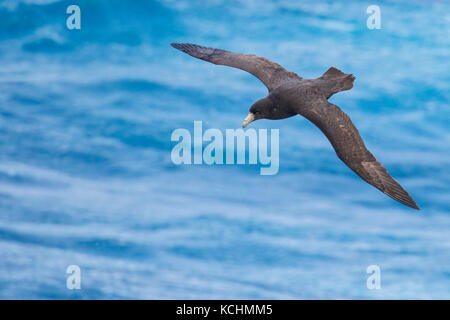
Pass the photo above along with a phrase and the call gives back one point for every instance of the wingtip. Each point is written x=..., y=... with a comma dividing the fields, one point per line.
x=185, y=47
x=194, y=50
x=411, y=203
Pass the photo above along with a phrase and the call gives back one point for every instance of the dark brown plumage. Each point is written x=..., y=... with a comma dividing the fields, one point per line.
x=290, y=95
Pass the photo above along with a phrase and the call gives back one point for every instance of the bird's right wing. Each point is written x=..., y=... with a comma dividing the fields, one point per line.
x=270, y=73
x=350, y=148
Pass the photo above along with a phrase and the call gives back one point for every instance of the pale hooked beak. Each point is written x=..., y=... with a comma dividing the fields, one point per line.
x=250, y=118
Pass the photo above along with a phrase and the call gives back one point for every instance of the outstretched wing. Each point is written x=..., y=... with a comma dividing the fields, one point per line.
x=350, y=148
x=270, y=73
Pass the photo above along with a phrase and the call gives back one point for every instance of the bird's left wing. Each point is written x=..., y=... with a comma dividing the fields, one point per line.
x=350, y=148
x=270, y=73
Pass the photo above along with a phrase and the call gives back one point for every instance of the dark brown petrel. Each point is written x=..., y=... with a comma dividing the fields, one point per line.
x=290, y=95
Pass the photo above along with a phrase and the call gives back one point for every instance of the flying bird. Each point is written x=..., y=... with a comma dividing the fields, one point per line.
x=290, y=94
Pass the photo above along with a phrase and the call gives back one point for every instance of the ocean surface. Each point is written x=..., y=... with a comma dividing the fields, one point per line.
x=86, y=176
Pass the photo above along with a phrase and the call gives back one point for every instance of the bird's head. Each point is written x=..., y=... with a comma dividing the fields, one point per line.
x=266, y=109
x=261, y=109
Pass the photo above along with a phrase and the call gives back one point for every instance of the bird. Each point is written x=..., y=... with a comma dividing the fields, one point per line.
x=290, y=95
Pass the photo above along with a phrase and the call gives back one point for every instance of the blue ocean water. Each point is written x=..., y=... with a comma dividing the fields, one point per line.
x=86, y=176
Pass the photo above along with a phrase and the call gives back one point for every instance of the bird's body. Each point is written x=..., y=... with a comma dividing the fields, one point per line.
x=290, y=94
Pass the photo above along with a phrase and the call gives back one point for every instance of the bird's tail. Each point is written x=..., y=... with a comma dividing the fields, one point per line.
x=337, y=81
